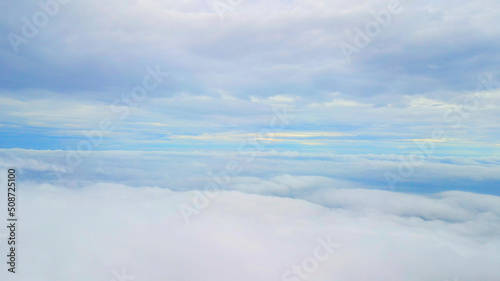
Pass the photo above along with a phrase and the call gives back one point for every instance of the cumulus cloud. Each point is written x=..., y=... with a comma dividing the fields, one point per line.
x=104, y=228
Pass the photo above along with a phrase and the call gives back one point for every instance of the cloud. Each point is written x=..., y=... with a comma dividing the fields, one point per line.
x=92, y=231
x=322, y=176
x=268, y=173
x=262, y=48
x=339, y=123
x=119, y=210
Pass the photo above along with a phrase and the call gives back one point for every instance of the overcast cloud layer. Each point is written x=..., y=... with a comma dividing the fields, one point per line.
x=429, y=61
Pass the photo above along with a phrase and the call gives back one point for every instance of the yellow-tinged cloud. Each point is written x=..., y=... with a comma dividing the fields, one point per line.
x=303, y=137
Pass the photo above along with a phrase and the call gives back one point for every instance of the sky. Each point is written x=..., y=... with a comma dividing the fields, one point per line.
x=218, y=79
x=333, y=77
x=370, y=123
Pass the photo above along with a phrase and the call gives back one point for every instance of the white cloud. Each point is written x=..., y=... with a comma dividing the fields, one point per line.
x=107, y=215
x=89, y=232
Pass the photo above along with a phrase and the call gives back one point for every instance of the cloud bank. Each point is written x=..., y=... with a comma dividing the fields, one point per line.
x=104, y=229
x=120, y=213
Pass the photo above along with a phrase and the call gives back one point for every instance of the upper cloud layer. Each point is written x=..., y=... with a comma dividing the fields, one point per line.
x=225, y=76
x=261, y=48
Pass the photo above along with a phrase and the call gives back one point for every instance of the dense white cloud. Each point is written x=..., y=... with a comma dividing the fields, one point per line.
x=91, y=232
x=122, y=210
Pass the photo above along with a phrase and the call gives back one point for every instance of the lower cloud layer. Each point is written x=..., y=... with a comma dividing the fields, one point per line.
x=104, y=231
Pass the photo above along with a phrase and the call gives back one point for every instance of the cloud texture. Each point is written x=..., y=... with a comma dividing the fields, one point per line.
x=89, y=233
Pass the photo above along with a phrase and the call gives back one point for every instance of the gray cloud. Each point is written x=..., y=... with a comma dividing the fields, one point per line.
x=283, y=43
